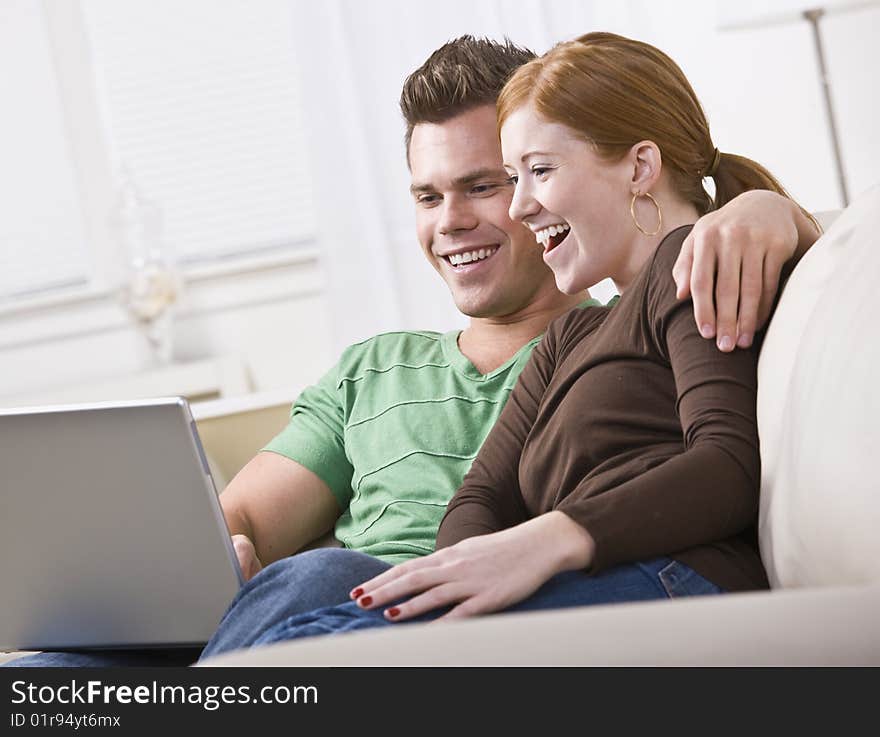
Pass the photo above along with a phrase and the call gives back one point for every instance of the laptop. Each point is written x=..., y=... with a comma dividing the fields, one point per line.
x=111, y=532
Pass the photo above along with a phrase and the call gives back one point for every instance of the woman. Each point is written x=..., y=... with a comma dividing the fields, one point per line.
x=653, y=492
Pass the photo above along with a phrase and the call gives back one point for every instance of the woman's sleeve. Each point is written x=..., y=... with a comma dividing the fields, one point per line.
x=707, y=493
x=489, y=498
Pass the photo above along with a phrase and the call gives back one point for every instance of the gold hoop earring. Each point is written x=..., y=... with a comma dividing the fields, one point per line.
x=632, y=211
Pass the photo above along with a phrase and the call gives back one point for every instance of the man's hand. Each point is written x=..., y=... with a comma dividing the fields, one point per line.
x=481, y=574
x=731, y=262
x=247, y=556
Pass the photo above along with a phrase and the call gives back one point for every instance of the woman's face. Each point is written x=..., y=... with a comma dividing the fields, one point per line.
x=575, y=203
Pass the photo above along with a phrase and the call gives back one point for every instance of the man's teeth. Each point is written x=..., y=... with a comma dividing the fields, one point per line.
x=545, y=234
x=456, y=259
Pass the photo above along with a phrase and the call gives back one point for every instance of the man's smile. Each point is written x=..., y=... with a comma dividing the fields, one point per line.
x=464, y=258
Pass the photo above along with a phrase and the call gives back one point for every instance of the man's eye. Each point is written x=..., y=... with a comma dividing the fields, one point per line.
x=485, y=188
x=428, y=200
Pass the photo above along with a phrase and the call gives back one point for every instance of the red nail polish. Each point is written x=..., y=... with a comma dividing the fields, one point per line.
x=393, y=612
x=356, y=593
x=366, y=601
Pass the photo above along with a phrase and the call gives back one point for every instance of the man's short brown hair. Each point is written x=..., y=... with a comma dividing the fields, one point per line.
x=459, y=76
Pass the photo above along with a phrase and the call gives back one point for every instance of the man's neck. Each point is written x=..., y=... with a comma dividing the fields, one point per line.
x=490, y=342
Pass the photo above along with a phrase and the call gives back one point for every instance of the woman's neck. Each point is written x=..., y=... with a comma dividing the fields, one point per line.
x=675, y=215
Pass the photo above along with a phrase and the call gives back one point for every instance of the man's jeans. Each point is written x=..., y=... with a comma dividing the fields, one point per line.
x=660, y=578
x=302, y=583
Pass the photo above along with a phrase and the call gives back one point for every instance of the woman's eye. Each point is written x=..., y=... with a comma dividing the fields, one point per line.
x=512, y=179
x=540, y=171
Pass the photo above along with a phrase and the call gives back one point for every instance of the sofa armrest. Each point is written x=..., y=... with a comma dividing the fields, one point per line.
x=829, y=626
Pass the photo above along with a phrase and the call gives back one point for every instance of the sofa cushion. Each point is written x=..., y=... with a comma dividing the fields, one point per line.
x=819, y=411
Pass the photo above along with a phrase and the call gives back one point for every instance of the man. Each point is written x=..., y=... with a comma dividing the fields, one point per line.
x=377, y=447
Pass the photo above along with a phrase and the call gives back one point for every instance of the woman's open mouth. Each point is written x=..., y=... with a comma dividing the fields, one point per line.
x=552, y=236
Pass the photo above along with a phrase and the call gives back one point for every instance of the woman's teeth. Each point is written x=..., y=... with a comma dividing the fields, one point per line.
x=552, y=236
x=456, y=259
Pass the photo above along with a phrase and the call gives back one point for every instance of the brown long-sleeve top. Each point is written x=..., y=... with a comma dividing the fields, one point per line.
x=635, y=426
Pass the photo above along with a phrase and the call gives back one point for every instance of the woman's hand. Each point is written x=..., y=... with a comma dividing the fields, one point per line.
x=481, y=574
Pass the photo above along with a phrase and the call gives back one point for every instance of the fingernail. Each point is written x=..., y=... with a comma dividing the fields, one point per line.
x=745, y=340
x=706, y=331
x=365, y=601
x=392, y=612
x=726, y=343
x=356, y=593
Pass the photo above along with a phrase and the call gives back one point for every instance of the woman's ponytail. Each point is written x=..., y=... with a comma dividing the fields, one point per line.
x=734, y=175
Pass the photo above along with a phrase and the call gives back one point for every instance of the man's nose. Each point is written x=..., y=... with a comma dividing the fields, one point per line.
x=458, y=214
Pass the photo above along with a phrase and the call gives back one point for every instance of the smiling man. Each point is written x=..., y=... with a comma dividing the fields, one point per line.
x=493, y=267
x=374, y=451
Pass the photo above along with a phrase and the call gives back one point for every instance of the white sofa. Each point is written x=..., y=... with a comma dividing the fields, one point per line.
x=819, y=421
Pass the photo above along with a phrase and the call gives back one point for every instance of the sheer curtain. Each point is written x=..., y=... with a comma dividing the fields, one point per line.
x=347, y=167
x=38, y=184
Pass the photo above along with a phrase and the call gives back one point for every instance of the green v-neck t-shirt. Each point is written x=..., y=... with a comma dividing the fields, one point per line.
x=392, y=429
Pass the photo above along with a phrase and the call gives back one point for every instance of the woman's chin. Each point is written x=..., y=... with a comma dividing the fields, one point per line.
x=570, y=284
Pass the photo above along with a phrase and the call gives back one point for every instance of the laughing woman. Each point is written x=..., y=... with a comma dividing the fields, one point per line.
x=625, y=464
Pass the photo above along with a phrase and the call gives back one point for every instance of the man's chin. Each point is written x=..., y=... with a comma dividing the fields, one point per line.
x=475, y=307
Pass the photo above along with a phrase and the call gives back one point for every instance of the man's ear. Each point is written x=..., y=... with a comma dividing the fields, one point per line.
x=646, y=166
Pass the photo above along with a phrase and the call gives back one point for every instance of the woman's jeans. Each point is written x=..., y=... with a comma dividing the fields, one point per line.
x=307, y=594
x=660, y=578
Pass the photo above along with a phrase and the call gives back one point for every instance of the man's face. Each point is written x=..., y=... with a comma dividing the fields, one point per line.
x=492, y=265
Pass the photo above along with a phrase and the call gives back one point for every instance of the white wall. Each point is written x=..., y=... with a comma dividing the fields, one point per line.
x=760, y=89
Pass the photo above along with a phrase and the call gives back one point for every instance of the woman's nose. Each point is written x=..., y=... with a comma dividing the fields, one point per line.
x=522, y=205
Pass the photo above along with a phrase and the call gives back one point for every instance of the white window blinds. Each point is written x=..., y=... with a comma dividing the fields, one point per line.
x=200, y=100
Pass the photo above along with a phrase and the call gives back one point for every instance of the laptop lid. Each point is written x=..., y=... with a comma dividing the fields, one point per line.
x=111, y=533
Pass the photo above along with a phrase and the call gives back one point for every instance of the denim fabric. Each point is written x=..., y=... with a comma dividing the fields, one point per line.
x=660, y=578
x=680, y=580
x=302, y=583
x=311, y=580
x=107, y=659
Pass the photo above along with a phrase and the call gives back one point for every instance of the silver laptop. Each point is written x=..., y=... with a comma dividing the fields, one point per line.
x=111, y=533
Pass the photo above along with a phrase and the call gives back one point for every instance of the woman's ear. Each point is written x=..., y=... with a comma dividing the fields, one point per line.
x=646, y=166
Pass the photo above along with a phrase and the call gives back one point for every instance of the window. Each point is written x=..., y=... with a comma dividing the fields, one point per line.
x=199, y=101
